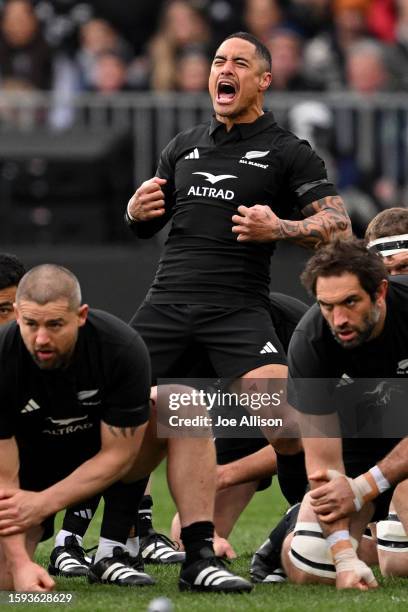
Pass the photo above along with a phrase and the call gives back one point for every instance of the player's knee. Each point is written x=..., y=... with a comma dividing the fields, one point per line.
x=393, y=564
x=392, y=545
x=294, y=574
x=291, y=571
x=308, y=558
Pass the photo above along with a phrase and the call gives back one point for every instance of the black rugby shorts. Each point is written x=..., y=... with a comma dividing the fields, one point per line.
x=236, y=340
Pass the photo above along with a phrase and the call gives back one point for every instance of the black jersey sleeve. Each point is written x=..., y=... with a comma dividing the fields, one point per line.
x=127, y=392
x=310, y=385
x=307, y=175
x=165, y=170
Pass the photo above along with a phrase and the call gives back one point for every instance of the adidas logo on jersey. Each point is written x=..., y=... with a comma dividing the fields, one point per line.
x=268, y=348
x=344, y=381
x=193, y=155
x=31, y=406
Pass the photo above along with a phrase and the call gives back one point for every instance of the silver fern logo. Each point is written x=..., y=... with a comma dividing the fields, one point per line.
x=255, y=154
x=83, y=395
x=402, y=366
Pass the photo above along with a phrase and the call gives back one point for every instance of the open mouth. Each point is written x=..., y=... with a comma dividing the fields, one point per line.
x=45, y=354
x=226, y=92
x=346, y=335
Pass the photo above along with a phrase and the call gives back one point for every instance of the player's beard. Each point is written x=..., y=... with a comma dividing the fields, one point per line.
x=58, y=361
x=363, y=333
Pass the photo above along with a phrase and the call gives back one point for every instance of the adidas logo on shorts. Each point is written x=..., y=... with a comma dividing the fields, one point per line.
x=268, y=348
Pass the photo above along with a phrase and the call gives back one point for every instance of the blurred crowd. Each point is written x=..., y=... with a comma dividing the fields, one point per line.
x=166, y=45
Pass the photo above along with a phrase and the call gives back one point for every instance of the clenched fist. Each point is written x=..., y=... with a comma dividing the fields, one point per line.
x=148, y=201
x=256, y=224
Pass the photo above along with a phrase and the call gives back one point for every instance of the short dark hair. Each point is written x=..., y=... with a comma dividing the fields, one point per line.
x=389, y=222
x=340, y=256
x=48, y=283
x=11, y=270
x=260, y=49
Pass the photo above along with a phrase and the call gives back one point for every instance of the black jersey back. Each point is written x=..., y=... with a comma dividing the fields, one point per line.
x=210, y=172
x=55, y=415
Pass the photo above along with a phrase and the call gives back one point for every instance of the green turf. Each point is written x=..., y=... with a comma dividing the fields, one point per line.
x=249, y=533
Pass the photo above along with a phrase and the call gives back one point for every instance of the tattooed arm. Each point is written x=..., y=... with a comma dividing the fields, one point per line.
x=119, y=447
x=325, y=219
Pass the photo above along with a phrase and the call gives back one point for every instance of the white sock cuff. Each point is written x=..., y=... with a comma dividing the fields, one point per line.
x=62, y=534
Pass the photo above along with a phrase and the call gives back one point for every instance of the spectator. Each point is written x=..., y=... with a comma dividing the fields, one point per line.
x=311, y=17
x=97, y=36
x=366, y=69
x=60, y=21
x=397, y=54
x=135, y=20
x=25, y=57
x=193, y=69
x=224, y=17
x=261, y=17
x=287, y=62
x=369, y=187
x=181, y=25
x=109, y=73
x=325, y=55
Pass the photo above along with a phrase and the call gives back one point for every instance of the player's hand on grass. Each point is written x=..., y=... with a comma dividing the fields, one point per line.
x=148, y=201
x=257, y=224
x=20, y=510
x=333, y=500
x=362, y=578
x=32, y=577
x=351, y=572
x=223, y=548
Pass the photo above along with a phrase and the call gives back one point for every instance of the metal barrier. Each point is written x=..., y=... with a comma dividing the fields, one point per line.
x=372, y=129
x=67, y=168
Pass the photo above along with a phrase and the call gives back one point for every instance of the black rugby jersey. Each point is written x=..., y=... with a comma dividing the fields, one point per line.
x=210, y=172
x=55, y=415
x=315, y=354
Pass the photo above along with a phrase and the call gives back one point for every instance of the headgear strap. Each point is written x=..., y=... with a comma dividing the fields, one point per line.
x=389, y=245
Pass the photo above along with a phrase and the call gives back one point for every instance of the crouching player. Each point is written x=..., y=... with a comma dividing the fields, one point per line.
x=74, y=420
x=358, y=329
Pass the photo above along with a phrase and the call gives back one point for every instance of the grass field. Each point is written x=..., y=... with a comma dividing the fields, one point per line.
x=250, y=532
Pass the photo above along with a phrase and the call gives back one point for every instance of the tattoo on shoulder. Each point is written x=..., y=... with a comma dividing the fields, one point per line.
x=122, y=431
